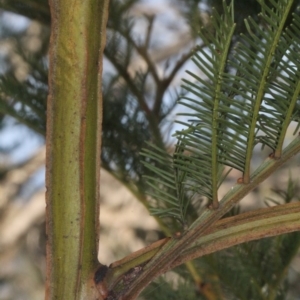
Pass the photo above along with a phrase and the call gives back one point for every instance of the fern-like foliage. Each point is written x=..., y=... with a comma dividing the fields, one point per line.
x=284, y=196
x=246, y=94
x=283, y=90
x=31, y=110
x=204, y=158
x=26, y=100
x=125, y=130
x=168, y=185
x=268, y=61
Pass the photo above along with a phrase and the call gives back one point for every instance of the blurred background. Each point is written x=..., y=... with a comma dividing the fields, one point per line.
x=149, y=46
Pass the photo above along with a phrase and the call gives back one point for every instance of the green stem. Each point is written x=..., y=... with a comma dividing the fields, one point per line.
x=172, y=249
x=141, y=198
x=254, y=225
x=73, y=146
x=215, y=113
x=228, y=232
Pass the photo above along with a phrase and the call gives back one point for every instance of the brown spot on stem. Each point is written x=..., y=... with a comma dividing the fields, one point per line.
x=240, y=180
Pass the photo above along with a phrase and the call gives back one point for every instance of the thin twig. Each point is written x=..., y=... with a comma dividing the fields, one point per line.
x=150, y=18
x=38, y=10
x=124, y=73
x=143, y=52
x=166, y=81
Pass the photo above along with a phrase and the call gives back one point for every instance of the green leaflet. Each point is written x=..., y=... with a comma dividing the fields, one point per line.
x=283, y=90
x=247, y=94
x=166, y=185
x=194, y=169
x=202, y=143
x=259, y=57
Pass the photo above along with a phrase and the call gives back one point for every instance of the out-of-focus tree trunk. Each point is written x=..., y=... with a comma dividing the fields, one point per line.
x=74, y=117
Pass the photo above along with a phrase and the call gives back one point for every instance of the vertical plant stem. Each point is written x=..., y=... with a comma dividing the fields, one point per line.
x=73, y=146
